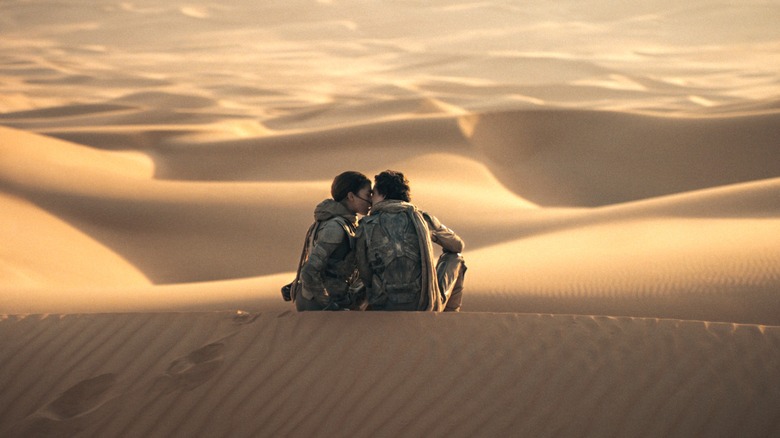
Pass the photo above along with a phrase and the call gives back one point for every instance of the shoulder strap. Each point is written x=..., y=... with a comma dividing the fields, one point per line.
x=348, y=229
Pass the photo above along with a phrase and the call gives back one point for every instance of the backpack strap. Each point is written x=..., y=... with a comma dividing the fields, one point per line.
x=348, y=229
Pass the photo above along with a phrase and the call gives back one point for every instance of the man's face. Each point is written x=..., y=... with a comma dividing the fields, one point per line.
x=376, y=197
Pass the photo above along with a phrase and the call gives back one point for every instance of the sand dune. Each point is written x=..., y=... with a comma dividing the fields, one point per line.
x=597, y=158
x=706, y=254
x=222, y=374
x=611, y=167
x=40, y=250
x=113, y=197
x=712, y=270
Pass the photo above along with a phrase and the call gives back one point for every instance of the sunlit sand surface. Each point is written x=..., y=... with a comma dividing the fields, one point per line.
x=612, y=168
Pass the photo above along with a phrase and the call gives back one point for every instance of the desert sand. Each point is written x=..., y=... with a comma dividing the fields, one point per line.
x=613, y=169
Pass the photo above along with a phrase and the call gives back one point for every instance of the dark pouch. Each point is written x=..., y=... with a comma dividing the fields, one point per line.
x=286, y=292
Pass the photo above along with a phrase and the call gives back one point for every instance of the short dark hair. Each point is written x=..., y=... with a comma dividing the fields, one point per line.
x=393, y=185
x=348, y=182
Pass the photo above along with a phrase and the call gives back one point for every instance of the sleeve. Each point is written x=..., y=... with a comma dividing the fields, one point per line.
x=443, y=236
x=329, y=237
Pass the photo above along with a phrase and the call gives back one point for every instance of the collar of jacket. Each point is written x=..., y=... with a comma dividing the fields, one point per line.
x=329, y=208
x=392, y=206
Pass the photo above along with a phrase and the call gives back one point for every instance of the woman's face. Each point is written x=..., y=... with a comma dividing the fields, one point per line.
x=360, y=202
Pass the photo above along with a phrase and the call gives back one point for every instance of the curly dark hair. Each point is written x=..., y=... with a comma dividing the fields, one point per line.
x=349, y=181
x=393, y=185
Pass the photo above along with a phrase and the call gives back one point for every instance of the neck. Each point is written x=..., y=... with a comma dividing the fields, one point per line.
x=346, y=205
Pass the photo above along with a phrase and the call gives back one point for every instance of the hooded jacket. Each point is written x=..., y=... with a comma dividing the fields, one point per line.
x=330, y=268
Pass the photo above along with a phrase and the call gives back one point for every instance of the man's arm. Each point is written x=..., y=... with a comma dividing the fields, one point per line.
x=328, y=239
x=443, y=236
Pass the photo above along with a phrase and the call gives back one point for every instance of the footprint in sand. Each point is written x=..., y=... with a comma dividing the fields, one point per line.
x=65, y=416
x=82, y=398
x=192, y=370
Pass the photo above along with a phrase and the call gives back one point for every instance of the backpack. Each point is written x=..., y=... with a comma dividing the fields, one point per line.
x=394, y=257
x=290, y=291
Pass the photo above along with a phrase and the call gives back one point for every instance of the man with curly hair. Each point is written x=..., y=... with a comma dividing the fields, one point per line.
x=395, y=256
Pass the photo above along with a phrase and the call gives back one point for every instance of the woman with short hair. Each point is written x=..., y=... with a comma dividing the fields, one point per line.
x=328, y=278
